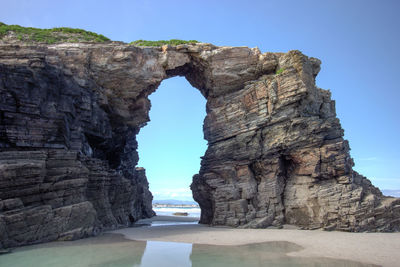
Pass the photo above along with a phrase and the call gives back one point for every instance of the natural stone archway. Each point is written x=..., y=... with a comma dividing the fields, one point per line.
x=70, y=114
x=171, y=144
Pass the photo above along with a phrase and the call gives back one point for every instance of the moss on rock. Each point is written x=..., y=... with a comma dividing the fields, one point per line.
x=162, y=42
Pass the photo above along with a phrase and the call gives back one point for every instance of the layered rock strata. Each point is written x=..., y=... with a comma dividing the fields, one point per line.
x=67, y=169
x=70, y=113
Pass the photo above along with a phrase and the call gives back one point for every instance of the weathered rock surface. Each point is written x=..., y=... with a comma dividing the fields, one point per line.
x=67, y=170
x=69, y=115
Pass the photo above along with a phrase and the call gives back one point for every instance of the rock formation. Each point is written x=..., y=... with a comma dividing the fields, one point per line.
x=70, y=113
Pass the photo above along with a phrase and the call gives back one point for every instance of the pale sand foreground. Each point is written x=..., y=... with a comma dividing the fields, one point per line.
x=376, y=248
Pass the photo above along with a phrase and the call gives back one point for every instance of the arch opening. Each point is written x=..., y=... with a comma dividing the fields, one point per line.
x=172, y=143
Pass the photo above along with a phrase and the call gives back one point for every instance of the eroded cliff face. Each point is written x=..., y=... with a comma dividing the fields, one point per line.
x=70, y=114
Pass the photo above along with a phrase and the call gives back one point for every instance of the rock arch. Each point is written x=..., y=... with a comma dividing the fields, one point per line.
x=171, y=144
x=70, y=114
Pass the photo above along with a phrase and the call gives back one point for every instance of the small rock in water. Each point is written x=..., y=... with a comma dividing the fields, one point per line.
x=180, y=214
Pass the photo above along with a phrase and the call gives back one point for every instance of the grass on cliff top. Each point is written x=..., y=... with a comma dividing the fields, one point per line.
x=70, y=35
x=50, y=36
x=162, y=42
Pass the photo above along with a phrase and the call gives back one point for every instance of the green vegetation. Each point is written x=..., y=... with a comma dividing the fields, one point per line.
x=50, y=36
x=162, y=42
x=70, y=35
x=280, y=71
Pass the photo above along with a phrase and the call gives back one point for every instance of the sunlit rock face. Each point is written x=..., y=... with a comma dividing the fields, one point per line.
x=70, y=114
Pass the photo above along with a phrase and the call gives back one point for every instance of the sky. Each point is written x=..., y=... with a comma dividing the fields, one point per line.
x=357, y=41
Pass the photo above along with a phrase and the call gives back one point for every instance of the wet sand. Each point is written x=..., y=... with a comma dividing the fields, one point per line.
x=376, y=248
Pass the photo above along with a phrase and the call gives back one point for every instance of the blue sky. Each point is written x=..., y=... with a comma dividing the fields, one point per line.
x=357, y=41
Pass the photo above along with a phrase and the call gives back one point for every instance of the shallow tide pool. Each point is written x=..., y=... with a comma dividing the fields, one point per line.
x=114, y=250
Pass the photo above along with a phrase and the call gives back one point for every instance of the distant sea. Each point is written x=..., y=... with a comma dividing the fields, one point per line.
x=174, y=205
x=169, y=211
x=174, y=202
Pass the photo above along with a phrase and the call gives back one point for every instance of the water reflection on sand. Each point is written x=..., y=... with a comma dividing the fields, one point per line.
x=114, y=250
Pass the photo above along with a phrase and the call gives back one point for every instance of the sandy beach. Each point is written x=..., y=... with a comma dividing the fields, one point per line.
x=375, y=248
